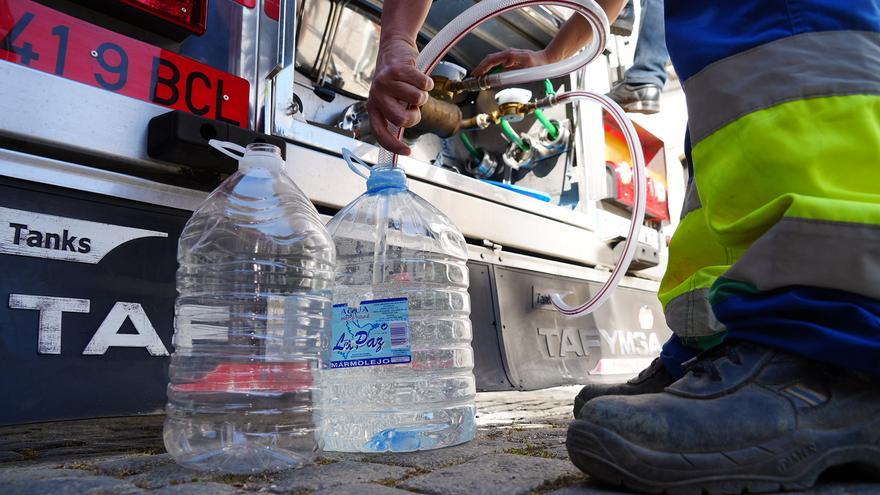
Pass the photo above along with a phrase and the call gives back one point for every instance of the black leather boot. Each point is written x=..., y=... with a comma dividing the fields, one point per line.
x=744, y=419
x=636, y=98
x=651, y=380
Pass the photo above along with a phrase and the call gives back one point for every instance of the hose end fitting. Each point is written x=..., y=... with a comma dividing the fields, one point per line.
x=473, y=84
x=547, y=101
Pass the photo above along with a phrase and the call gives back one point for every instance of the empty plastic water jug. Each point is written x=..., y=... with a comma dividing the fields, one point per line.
x=252, y=318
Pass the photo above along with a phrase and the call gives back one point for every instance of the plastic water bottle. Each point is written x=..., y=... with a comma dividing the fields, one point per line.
x=251, y=319
x=400, y=372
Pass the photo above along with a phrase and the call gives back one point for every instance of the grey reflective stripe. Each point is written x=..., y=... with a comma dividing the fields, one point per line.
x=691, y=199
x=690, y=315
x=808, y=65
x=816, y=253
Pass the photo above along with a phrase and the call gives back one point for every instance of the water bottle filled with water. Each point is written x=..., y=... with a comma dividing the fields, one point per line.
x=251, y=319
x=399, y=375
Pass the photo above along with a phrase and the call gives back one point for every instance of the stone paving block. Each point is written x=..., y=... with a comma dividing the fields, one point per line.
x=80, y=453
x=344, y=456
x=557, y=451
x=493, y=474
x=549, y=435
x=85, y=485
x=163, y=475
x=86, y=464
x=8, y=456
x=40, y=444
x=198, y=489
x=335, y=474
x=589, y=488
x=440, y=458
x=129, y=465
x=361, y=489
x=9, y=475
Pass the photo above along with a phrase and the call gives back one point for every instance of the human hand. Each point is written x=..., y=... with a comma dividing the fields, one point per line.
x=512, y=58
x=396, y=93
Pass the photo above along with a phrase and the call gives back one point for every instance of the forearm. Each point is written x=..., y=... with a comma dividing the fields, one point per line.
x=402, y=19
x=576, y=32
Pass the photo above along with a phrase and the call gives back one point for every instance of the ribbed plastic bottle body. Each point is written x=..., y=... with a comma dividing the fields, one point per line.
x=429, y=402
x=252, y=317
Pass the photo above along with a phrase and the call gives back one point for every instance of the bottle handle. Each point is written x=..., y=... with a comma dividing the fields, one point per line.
x=350, y=158
x=227, y=148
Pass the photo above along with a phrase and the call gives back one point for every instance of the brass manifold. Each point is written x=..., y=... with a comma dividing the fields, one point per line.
x=516, y=111
x=443, y=118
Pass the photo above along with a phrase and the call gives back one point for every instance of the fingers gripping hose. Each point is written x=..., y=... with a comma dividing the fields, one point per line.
x=598, y=21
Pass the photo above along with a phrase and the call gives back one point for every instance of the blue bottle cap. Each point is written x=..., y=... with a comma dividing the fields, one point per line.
x=386, y=177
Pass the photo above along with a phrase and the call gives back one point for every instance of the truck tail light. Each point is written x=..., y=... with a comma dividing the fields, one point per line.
x=273, y=9
x=188, y=15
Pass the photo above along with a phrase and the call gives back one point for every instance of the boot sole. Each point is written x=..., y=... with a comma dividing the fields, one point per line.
x=622, y=30
x=645, y=107
x=793, y=462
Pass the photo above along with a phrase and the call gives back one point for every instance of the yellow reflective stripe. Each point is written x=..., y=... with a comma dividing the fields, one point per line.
x=792, y=193
x=695, y=262
x=788, y=195
x=695, y=258
x=817, y=158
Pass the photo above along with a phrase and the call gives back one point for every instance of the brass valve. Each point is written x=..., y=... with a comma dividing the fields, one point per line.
x=513, y=104
x=446, y=77
x=512, y=112
x=443, y=88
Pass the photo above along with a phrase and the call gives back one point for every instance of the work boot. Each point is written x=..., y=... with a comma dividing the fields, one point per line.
x=744, y=418
x=623, y=25
x=651, y=380
x=636, y=98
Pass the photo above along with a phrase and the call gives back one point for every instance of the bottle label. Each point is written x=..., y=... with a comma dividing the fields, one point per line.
x=375, y=333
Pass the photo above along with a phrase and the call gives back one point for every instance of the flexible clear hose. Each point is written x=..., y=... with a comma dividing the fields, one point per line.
x=598, y=21
x=640, y=200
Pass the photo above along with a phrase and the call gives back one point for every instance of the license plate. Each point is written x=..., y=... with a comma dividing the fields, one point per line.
x=46, y=40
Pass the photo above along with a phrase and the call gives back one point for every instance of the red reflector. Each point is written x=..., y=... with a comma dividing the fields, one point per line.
x=247, y=3
x=273, y=9
x=191, y=15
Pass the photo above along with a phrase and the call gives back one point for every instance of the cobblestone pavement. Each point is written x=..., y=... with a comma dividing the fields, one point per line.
x=520, y=449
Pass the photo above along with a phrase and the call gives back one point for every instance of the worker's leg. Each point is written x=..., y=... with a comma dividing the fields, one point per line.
x=696, y=260
x=801, y=203
x=794, y=203
x=639, y=91
x=649, y=60
x=785, y=250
